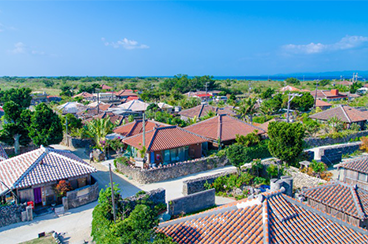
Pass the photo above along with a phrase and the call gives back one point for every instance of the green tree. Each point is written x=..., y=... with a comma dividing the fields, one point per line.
x=15, y=130
x=66, y=90
x=45, y=128
x=21, y=96
x=292, y=81
x=286, y=141
x=267, y=93
x=73, y=122
x=98, y=129
x=247, y=108
x=302, y=103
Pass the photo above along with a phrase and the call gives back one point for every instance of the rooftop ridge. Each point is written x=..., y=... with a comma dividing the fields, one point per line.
x=357, y=202
x=266, y=230
x=346, y=115
x=30, y=168
x=325, y=215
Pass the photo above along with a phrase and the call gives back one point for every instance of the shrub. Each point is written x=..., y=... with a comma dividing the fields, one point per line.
x=121, y=160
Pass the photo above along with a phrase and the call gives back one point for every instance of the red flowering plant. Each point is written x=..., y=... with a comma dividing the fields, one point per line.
x=62, y=188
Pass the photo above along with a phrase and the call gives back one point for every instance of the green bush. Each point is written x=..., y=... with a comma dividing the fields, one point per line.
x=121, y=160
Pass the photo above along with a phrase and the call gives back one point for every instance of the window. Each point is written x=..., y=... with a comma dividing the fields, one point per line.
x=166, y=156
x=362, y=177
x=174, y=155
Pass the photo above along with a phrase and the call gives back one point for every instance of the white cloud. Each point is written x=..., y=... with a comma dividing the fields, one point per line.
x=21, y=48
x=347, y=42
x=125, y=43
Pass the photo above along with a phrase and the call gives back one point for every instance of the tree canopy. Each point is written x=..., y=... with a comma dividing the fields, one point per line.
x=286, y=141
x=45, y=128
x=21, y=96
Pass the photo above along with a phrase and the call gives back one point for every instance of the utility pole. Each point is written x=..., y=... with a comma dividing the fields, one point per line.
x=290, y=98
x=112, y=194
x=315, y=98
x=206, y=87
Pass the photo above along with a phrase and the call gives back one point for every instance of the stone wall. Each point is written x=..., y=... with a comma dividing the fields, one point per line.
x=197, y=185
x=317, y=142
x=333, y=154
x=73, y=142
x=22, y=149
x=301, y=180
x=11, y=214
x=154, y=197
x=192, y=203
x=146, y=176
x=81, y=196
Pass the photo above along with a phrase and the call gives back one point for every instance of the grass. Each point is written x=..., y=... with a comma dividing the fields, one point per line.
x=48, y=239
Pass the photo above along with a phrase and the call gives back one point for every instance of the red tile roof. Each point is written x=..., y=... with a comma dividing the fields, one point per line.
x=106, y=87
x=289, y=88
x=41, y=166
x=126, y=93
x=135, y=127
x=344, y=113
x=320, y=103
x=203, y=109
x=327, y=95
x=224, y=127
x=271, y=218
x=84, y=95
x=359, y=164
x=163, y=138
x=341, y=196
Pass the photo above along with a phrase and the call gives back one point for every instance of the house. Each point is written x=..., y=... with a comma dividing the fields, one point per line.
x=322, y=104
x=106, y=87
x=136, y=127
x=71, y=108
x=224, y=128
x=166, y=107
x=166, y=145
x=202, y=110
x=53, y=99
x=289, y=88
x=269, y=218
x=125, y=94
x=93, y=111
x=106, y=97
x=134, y=106
x=345, y=114
x=344, y=83
x=85, y=95
x=32, y=176
x=354, y=172
x=345, y=201
x=38, y=97
x=117, y=120
x=333, y=95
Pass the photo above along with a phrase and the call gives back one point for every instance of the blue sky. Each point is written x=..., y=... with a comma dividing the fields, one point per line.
x=164, y=38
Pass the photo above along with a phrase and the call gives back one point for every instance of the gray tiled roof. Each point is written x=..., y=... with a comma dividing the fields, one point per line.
x=41, y=166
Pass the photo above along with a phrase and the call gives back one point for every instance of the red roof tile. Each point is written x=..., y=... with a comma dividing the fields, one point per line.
x=84, y=95
x=274, y=218
x=106, y=87
x=126, y=93
x=163, y=138
x=203, y=109
x=135, y=127
x=224, y=127
x=289, y=88
x=320, y=103
x=341, y=196
x=344, y=113
x=360, y=164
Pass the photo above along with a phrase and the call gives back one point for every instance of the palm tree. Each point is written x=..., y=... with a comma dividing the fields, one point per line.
x=97, y=129
x=247, y=108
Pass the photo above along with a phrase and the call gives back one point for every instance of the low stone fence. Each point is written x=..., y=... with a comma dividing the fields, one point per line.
x=317, y=142
x=192, y=203
x=301, y=180
x=333, y=154
x=22, y=149
x=81, y=196
x=76, y=142
x=197, y=185
x=15, y=213
x=154, y=197
x=146, y=176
